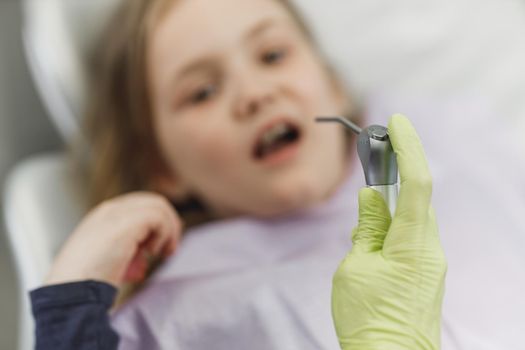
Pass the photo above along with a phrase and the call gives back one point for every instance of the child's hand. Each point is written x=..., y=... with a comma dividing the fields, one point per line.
x=387, y=292
x=114, y=241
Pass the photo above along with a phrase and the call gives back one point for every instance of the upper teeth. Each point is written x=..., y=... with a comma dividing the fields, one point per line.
x=274, y=133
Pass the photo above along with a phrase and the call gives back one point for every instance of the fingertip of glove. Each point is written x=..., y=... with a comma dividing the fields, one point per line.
x=367, y=194
x=397, y=119
x=371, y=202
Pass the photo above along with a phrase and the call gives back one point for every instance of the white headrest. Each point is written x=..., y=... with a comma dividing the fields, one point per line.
x=57, y=35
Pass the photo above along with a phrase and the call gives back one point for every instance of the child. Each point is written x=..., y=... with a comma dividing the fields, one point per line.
x=212, y=105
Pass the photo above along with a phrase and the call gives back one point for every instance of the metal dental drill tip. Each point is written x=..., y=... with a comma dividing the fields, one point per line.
x=377, y=158
x=350, y=125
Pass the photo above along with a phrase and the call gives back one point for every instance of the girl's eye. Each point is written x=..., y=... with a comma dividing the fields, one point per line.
x=273, y=56
x=203, y=94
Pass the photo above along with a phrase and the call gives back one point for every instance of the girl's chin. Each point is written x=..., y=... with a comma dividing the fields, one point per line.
x=294, y=199
x=311, y=191
x=284, y=196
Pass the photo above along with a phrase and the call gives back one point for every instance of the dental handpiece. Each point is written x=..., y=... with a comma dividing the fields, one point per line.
x=377, y=158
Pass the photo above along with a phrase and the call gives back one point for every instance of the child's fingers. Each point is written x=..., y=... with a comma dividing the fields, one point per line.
x=170, y=231
x=137, y=268
x=157, y=222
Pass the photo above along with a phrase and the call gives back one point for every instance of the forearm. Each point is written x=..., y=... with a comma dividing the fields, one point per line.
x=74, y=316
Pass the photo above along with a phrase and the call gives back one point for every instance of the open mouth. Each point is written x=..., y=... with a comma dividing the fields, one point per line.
x=275, y=139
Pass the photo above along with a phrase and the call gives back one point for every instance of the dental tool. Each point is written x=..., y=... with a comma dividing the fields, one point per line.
x=377, y=158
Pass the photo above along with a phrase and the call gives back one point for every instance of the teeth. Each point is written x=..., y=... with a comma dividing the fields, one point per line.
x=274, y=133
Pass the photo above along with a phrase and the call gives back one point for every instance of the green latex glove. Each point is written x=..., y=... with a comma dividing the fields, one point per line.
x=387, y=292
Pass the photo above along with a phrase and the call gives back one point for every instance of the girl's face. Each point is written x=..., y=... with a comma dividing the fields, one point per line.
x=235, y=88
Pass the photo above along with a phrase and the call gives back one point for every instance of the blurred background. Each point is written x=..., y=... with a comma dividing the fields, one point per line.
x=24, y=130
x=404, y=53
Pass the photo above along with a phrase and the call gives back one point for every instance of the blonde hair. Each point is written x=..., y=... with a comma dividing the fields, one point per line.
x=123, y=149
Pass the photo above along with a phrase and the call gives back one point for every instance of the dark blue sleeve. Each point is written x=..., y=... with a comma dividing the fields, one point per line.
x=74, y=316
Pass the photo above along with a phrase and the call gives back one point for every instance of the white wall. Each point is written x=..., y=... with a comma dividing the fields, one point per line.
x=24, y=130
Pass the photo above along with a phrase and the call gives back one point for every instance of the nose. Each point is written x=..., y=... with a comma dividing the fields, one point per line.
x=254, y=94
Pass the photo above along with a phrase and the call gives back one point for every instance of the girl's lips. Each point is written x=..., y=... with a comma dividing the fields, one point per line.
x=281, y=146
x=271, y=124
x=282, y=155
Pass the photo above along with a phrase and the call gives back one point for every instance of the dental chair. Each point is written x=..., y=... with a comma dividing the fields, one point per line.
x=42, y=203
x=408, y=47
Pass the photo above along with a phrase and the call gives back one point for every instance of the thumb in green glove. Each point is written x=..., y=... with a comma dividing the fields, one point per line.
x=387, y=292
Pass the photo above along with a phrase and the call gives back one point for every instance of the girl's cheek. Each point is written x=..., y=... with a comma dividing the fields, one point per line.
x=313, y=85
x=217, y=148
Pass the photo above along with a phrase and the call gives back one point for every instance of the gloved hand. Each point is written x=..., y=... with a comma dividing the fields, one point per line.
x=387, y=292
